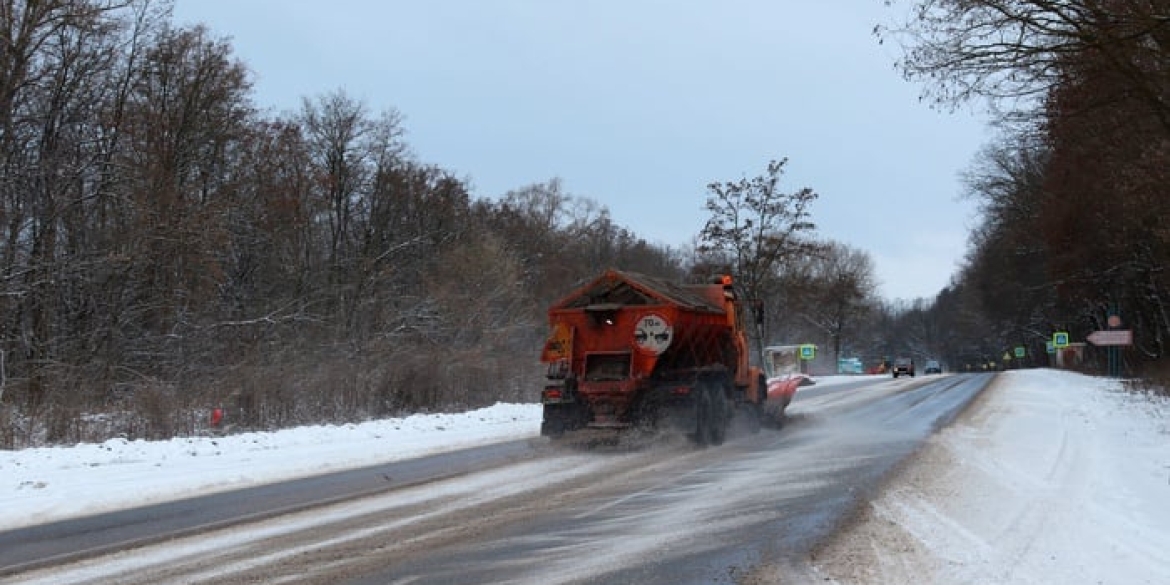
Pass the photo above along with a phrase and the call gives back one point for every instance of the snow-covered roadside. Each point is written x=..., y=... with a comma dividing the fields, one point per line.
x=1050, y=477
x=46, y=484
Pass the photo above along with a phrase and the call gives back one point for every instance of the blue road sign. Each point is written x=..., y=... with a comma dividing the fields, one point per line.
x=808, y=351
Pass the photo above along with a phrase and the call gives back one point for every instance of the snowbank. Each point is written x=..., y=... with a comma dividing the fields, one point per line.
x=45, y=484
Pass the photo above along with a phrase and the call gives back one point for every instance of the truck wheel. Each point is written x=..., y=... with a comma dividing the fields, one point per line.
x=553, y=429
x=553, y=425
x=704, y=415
x=561, y=418
x=712, y=414
x=721, y=413
x=703, y=418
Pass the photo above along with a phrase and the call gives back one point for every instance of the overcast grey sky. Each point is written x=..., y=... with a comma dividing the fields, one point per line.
x=638, y=105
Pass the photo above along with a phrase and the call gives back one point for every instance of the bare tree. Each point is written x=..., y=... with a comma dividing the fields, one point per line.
x=1018, y=50
x=757, y=227
x=189, y=112
x=335, y=127
x=844, y=282
x=534, y=221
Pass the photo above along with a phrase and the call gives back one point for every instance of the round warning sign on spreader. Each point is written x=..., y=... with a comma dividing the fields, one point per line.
x=652, y=334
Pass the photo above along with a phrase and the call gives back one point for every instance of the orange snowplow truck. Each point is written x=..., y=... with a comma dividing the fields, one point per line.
x=628, y=350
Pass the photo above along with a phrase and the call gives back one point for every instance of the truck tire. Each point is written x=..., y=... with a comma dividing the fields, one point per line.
x=553, y=425
x=712, y=415
x=559, y=418
x=719, y=417
x=704, y=415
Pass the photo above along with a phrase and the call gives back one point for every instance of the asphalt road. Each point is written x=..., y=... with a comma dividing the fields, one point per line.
x=529, y=512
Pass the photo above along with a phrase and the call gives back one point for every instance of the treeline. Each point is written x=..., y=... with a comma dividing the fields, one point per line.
x=167, y=248
x=1075, y=201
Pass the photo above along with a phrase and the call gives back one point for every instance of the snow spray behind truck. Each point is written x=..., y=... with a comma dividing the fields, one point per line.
x=628, y=350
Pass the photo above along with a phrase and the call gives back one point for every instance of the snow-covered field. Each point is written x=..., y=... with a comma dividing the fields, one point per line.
x=1051, y=477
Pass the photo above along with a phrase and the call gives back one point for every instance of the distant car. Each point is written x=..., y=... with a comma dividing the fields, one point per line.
x=903, y=366
x=932, y=367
